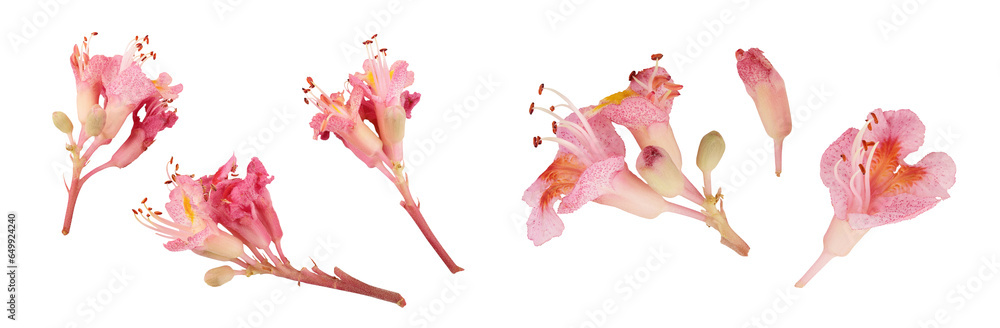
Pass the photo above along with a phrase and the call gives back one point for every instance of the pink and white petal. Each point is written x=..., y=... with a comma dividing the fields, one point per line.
x=192, y=241
x=900, y=126
x=543, y=225
x=594, y=182
x=636, y=112
x=832, y=157
x=607, y=137
x=191, y=190
x=401, y=78
x=533, y=194
x=891, y=210
x=939, y=176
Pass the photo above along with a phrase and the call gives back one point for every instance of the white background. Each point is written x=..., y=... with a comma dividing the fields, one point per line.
x=478, y=66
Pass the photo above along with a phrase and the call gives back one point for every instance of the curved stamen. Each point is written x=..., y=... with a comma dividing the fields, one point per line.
x=580, y=153
x=576, y=110
x=574, y=128
x=868, y=179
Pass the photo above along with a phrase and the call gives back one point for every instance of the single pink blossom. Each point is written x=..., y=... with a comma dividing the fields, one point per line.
x=871, y=184
x=767, y=89
x=144, y=131
x=644, y=108
x=243, y=208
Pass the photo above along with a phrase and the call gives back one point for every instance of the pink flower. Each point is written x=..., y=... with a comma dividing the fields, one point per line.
x=870, y=183
x=87, y=72
x=589, y=166
x=244, y=206
x=343, y=119
x=191, y=227
x=644, y=108
x=767, y=89
x=386, y=105
x=128, y=89
x=144, y=131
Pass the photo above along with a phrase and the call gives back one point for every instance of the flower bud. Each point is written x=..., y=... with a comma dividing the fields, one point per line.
x=659, y=171
x=710, y=151
x=395, y=124
x=220, y=246
x=62, y=122
x=95, y=121
x=218, y=276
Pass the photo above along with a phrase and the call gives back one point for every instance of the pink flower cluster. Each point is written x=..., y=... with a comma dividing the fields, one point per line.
x=221, y=216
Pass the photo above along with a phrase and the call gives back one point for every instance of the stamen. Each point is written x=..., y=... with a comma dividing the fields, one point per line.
x=631, y=76
x=531, y=110
x=554, y=125
x=843, y=157
x=580, y=153
x=862, y=168
x=869, y=126
x=309, y=80
x=875, y=117
x=656, y=57
x=540, y=88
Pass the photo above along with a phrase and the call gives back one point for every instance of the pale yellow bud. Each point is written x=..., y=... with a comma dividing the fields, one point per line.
x=62, y=122
x=218, y=276
x=659, y=171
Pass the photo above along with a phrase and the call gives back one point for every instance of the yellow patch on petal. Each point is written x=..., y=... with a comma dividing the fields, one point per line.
x=187, y=208
x=615, y=98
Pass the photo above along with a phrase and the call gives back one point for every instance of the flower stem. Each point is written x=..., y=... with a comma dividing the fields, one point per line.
x=820, y=263
x=342, y=281
x=74, y=193
x=777, y=155
x=414, y=209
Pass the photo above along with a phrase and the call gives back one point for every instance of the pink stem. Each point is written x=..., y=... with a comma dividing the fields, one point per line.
x=691, y=192
x=344, y=282
x=777, y=156
x=74, y=193
x=820, y=263
x=413, y=209
x=418, y=218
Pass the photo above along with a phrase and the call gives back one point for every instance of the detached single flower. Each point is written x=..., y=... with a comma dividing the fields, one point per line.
x=221, y=216
x=870, y=183
x=126, y=90
x=767, y=89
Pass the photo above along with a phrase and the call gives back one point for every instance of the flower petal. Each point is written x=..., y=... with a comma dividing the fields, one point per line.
x=543, y=225
x=635, y=111
x=939, y=176
x=606, y=135
x=831, y=158
x=594, y=182
x=891, y=210
x=901, y=127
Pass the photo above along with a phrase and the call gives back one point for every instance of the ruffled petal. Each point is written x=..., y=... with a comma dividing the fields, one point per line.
x=543, y=225
x=635, y=112
x=939, y=175
x=891, y=210
x=897, y=128
x=606, y=135
x=594, y=182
